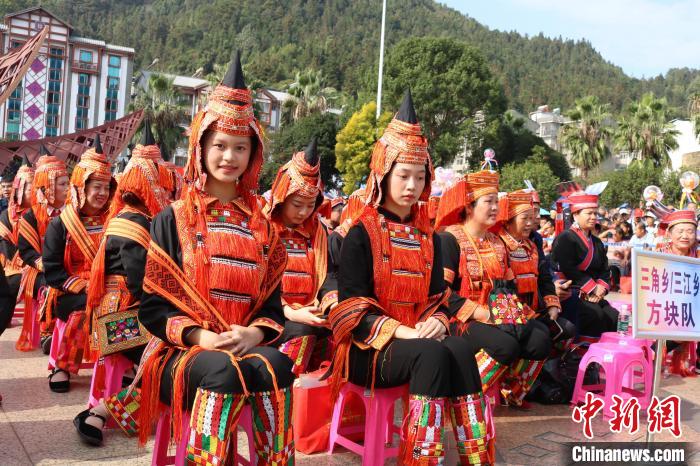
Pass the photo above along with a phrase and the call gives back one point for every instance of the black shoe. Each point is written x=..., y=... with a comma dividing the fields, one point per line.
x=59, y=387
x=89, y=434
x=46, y=344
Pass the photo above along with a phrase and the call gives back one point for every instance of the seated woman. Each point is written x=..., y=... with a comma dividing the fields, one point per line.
x=70, y=245
x=211, y=294
x=533, y=280
x=477, y=269
x=309, y=286
x=117, y=279
x=391, y=326
x=680, y=229
x=581, y=258
x=49, y=193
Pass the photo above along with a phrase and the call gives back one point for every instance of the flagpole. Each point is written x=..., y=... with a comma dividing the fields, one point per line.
x=381, y=61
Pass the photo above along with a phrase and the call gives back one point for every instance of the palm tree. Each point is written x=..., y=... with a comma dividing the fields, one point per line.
x=308, y=95
x=586, y=138
x=694, y=111
x=645, y=132
x=163, y=106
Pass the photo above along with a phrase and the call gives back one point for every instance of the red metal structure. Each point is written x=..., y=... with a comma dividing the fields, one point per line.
x=14, y=65
x=114, y=137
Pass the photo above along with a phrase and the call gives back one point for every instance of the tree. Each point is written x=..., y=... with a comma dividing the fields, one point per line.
x=167, y=113
x=296, y=137
x=355, y=142
x=450, y=81
x=628, y=185
x=514, y=143
x=537, y=171
x=586, y=138
x=308, y=95
x=694, y=112
x=644, y=131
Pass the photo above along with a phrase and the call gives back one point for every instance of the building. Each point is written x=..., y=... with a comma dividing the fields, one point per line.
x=191, y=91
x=460, y=163
x=548, y=125
x=75, y=83
x=270, y=104
x=688, y=153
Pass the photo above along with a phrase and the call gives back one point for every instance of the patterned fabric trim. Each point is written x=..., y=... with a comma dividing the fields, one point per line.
x=425, y=434
x=444, y=320
x=176, y=326
x=490, y=370
x=449, y=275
x=603, y=284
x=329, y=300
x=268, y=323
x=552, y=301
x=519, y=380
x=74, y=284
x=470, y=427
x=299, y=350
x=382, y=332
x=272, y=427
x=123, y=407
x=589, y=286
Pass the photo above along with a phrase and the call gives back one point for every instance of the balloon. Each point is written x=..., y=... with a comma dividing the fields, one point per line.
x=689, y=181
x=489, y=154
x=652, y=193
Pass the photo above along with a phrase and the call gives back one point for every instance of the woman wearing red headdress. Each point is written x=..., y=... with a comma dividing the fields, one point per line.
x=681, y=233
x=49, y=193
x=70, y=244
x=309, y=287
x=116, y=281
x=581, y=257
x=212, y=294
x=10, y=260
x=516, y=221
x=484, y=303
x=390, y=326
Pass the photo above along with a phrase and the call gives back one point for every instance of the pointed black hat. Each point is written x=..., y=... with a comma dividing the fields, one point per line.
x=311, y=152
x=406, y=112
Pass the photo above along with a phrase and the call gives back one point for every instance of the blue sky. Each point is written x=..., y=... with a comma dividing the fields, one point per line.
x=643, y=37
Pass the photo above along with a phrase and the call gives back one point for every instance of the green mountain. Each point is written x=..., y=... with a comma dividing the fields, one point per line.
x=341, y=37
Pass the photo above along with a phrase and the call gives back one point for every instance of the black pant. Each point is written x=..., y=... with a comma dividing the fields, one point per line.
x=596, y=318
x=294, y=330
x=507, y=343
x=430, y=367
x=213, y=371
x=8, y=298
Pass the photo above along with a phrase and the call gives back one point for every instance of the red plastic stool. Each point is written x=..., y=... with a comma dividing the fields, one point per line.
x=618, y=362
x=115, y=366
x=379, y=425
x=160, y=448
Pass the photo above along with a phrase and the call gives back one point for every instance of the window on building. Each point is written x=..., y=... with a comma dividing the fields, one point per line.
x=86, y=56
x=14, y=114
x=53, y=94
x=112, y=101
x=83, y=101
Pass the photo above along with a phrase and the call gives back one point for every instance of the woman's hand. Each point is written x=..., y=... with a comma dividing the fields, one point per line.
x=239, y=340
x=305, y=315
x=553, y=312
x=431, y=328
x=562, y=289
x=204, y=338
x=481, y=314
x=404, y=332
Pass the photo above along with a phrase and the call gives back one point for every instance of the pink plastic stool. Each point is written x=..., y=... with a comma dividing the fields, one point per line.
x=36, y=332
x=58, y=331
x=618, y=362
x=115, y=366
x=379, y=425
x=18, y=314
x=160, y=449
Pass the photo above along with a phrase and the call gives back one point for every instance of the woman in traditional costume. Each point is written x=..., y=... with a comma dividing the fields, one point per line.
x=49, y=193
x=484, y=300
x=115, y=286
x=70, y=245
x=391, y=323
x=516, y=220
x=212, y=294
x=10, y=260
x=580, y=256
x=309, y=285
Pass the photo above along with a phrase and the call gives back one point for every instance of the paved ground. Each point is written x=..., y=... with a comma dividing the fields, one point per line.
x=36, y=427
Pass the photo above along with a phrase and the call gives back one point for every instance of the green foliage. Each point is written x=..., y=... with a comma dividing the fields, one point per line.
x=450, y=81
x=537, y=171
x=587, y=137
x=628, y=185
x=644, y=131
x=513, y=143
x=162, y=106
x=294, y=138
x=341, y=38
x=355, y=142
x=308, y=95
